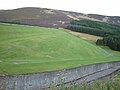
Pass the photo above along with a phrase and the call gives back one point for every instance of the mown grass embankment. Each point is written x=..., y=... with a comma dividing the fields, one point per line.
x=28, y=49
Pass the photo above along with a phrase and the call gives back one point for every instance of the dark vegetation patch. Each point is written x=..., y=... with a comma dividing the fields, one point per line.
x=109, y=32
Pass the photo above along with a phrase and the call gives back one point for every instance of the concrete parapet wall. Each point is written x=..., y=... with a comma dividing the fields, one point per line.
x=41, y=80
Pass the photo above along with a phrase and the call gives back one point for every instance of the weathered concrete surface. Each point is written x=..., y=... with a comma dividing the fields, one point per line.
x=37, y=81
x=98, y=75
x=104, y=74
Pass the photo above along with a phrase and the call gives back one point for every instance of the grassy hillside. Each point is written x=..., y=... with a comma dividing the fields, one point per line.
x=27, y=49
x=113, y=55
x=84, y=36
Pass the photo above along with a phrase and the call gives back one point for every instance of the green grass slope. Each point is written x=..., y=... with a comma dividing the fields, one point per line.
x=27, y=49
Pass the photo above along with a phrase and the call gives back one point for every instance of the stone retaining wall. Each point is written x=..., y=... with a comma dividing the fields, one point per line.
x=41, y=80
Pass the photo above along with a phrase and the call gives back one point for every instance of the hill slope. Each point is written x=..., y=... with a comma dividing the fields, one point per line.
x=109, y=32
x=26, y=49
x=49, y=17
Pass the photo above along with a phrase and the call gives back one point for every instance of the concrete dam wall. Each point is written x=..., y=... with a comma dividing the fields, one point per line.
x=37, y=81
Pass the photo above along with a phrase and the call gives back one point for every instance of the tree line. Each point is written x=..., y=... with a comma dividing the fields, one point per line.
x=109, y=32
